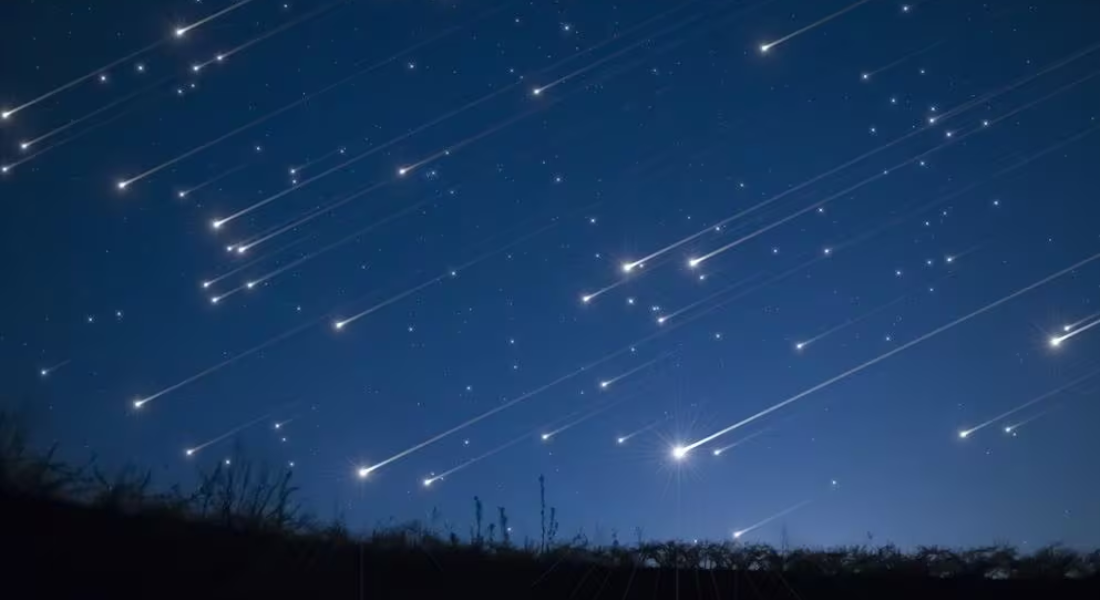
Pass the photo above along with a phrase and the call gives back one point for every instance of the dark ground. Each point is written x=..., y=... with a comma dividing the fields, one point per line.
x=57, y=550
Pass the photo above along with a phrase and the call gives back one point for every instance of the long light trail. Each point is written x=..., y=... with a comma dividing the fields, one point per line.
x=666, y=317
x=141, y=402
x=595, y=412
x=694, y=262
x=886, y=355
x=606, y=383
x=1011, y=429
x=622, y=439
x=1074, y=325
x=226, y=173
x=451, y=273
x=331, y=246
x=867, y=75
x=26, y=145
x=741, y=532
x=297, y=169
x=232, y=432
x=6, y=168
x=723, y=449
x=311, y=216
x=8, y=113
x=966, y=433
x=1059, y=340
x=182, y=31
x=764, y=48
x=220, y=57
x=631, y=265
x=207, y=283
x=428, y=481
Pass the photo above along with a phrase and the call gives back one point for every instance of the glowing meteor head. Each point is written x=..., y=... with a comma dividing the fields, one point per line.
x=828, y=252
x=545, y=436
x=694, y=262
x=196, y=68
x=44, y=372
x=764, y=48
x=428, y=482
x=24, y=145
x=139, y=403
x=217, y=224
x=189, y=451
x=122, y=184
x=965, y=433
x=737, y=534
x=219, y=57
x=604, y=384
x=182, y=193
x=718, y=452
x=865, y=76
x=1055, y=342
x=278, y=426
x=621, y=440
x=338, y=325
x=661, y=320
x=215, y=299
x=1008, y=429
x=1067, y=327
x=628, y=267
x=402, y=171
x=250, y=284
x=242, y=249
x=536, y=91
x=586, y=298
x=5, y=114
x=680, y=452
x=800, y=345
x=931, y=120
x=181, y=31
x=5, y=168
x=363, y=472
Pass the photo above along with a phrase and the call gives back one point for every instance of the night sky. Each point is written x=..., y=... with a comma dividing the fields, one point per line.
x=473, y=242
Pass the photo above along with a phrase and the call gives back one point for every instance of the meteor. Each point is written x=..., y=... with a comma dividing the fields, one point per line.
x=298, y=21
x=899, y=349
x=723, y=449
x=45, y=372
x=1057, y=340
x=312, y=215
x=606, y=383
x=965, y=433
x=187, y=192
x=333, y=245
x=29, y=143
x=430, y=480
x=1011, y=429
x=850, y=322
x=342, y=323
x=10, y=112
x=622, y=439
x=589, y=415
x=232, y=432
x=1074, y=325
x=764, y=48
x=297, y=169
x=281, y=424
x=72, y=138
x=740, y=532
x=141, y=402
x=209, y=282
x=867, y=75
x=182, y=30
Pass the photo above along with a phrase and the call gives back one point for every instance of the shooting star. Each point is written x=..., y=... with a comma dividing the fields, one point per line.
x=428, y=481
x=738, y=534
x=622, y=439
x=72, y=138
x=866, y=315
x=765, y=48
x=868, y=75
x=45, y=372
x=606, y=383
x=223, y=56
x=1074, y=325
x=1011, y=429
x=232, y=432
x=966, y=433
x=191, y=190
x=886, y=355
x=182, y=30
x=723, y=449
x=1058, y=340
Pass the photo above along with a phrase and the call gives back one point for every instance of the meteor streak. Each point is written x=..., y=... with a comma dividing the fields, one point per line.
x=850, y=322
x=606, y=383
x=340, y=324
x=740, y=532
x=622, y=439
x=232, y=432
x=764, y=48
x=1057, y=340
x=209, y=282
x=182, y=31
x=45, y=372
x=1011, y=429
x=298, y=21
x=10, y=112
x=29, y=143
x=430, y=480
x=899, y=349
x=1080, y=322
x=722, y=450
x=870, y=74
x=965, y=433
x=72, y=138
x=212, y=180
x=310, y=216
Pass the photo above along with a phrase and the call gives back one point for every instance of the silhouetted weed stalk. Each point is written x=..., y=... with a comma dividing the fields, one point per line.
x=243, y=496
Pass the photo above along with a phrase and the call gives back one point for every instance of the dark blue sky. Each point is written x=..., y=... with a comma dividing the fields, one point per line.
x=654, y=122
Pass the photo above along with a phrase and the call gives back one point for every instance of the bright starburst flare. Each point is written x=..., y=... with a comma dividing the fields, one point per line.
x=679, y=453
x=874, y=361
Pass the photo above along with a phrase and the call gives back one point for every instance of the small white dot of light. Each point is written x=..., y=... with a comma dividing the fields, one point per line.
x=227, y=462
x=140, y=68
x=922, y=163
x=1067, y=327
x=703, y=277
x=43, y=372
x=103, y=78
x=1008, y=429
x=604, y=384
x=545, y=436
x=717, y=451
x=189, y=451
x=220, y=57
x=196, y=68
x=182, y=194
x=290, y=464
x=180, y=32
x=122, y=185
x=586, y=299
x=5, y=168
x=427, y=483
x=800, y=345
x=985, y=123
x=661, y=320
x=402, y=171
x=621, y=440
x=828, y=251
x=950, y=134
x=259, y=149
x=717, y=336
x=630, y=301
x=536, y=91
x=24, y=145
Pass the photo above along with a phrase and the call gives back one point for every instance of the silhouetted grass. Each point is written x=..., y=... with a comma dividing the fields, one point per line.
x=247, y=508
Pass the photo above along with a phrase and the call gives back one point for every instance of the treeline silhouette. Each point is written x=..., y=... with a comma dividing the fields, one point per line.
x=71, y=531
